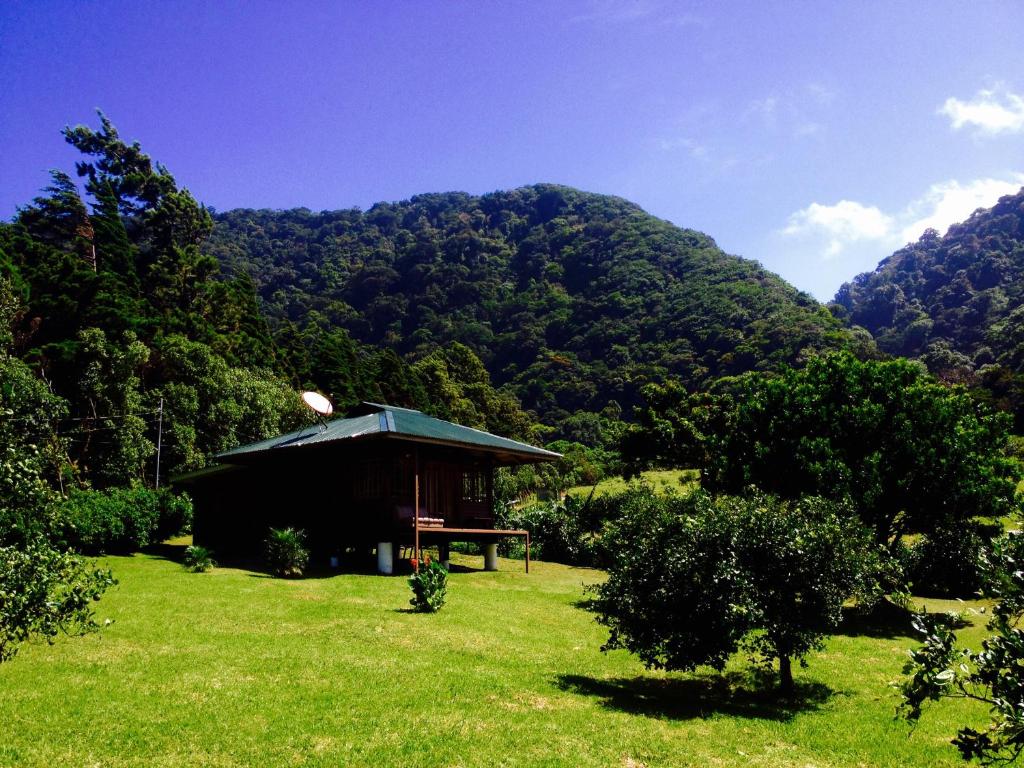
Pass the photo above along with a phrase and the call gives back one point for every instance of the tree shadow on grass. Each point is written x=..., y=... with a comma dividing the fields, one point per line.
x=166, y=551
x=885, y=621
x=701, y=696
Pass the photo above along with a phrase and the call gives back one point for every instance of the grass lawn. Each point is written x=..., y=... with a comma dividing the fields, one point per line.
x=660, y=480
x=232, y=668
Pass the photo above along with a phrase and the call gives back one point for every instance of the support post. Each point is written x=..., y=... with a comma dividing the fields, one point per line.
x=444, y=553
x=527, y=551
x=416, y=513
x=490, y=557
x=385, y=558
x=159, y=434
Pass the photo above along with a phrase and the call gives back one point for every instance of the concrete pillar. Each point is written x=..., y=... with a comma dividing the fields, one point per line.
x=443, y=554
x=385, y=557
x=490, y=557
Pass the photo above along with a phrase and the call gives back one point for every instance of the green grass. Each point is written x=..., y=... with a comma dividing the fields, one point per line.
x=660, y=480
x=230, y=668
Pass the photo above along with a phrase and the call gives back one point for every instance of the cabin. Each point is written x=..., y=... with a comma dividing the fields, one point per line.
x=383, y=478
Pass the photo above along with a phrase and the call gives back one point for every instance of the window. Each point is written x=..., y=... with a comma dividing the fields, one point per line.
x=474, y=486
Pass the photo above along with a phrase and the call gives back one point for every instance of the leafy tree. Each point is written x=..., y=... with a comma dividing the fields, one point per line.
x=112, y=434
x=910, y=454
x=693, y=580
x=30, y=454
x=994, y=675
x=44, y=593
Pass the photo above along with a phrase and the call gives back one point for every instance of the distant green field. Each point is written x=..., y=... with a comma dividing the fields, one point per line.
x=660, y=480
x=232, y=668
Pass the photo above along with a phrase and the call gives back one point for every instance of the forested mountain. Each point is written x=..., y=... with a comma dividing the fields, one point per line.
x=573, y=300
x=956, y=301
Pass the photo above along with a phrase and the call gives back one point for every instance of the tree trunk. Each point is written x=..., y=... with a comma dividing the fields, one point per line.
x=785, y=675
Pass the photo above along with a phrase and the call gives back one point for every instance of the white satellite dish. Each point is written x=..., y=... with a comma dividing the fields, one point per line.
x=318, y=403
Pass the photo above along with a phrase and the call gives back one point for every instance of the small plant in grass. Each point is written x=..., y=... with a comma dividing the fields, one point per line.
x=286, y=552
x=198, y=559
x=429, y=586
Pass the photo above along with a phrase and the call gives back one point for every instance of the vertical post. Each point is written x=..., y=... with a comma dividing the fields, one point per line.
x=159, y=440
x=527, y=551
x=490, y=556
x=385, y=557
x=416, y=512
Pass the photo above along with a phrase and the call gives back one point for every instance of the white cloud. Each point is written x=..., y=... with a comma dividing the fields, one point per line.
x=845, y=222
x=796, y=112
x=949, y=202
x=989, y=112
x=849, y=223
x=695, y=149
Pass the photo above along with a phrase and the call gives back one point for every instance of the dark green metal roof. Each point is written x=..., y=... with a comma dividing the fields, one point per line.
x=375, y=420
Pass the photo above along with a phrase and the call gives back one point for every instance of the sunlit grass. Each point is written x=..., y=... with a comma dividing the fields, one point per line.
x=231, y=668
x=661, y=480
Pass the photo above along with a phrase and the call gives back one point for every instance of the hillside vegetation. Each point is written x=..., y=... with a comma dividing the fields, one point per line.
x=955, y=301
x=572, y=299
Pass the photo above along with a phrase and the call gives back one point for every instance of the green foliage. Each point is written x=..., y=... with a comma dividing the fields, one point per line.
x=910, y=454
x=693, y=580
x=122, y=520
x=940, y=669
x=114, y=284
x=45, y=592
x=571, y=300
x=198, y=559
x=287, y=554
x=947, y=562
x=429, y=583
x=954, y=301
x=560, y=532
x=30, y=453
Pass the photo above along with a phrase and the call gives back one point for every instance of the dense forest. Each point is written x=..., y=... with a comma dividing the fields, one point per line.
x=572, y=300
x=118, y=331
x=954, y=301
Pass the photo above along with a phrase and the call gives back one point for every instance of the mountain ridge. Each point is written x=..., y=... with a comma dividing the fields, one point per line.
x=572, y=299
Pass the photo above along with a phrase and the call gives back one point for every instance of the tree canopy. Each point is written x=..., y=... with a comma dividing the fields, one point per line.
x=954, y=301
x=571, y=300
x=910, y=454
x=693, y=580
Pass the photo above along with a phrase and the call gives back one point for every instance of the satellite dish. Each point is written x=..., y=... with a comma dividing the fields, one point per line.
x=318, y=403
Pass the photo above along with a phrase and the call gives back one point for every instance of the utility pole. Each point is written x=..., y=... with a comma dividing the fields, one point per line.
x=159, y=440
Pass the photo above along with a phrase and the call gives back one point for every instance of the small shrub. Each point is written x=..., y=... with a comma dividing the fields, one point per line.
x=429, y=586
x=198, y=559
x=174, y=514
x=947, y=562
x=286, y=552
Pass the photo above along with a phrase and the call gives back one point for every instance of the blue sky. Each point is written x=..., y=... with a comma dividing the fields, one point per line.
x=813, y=137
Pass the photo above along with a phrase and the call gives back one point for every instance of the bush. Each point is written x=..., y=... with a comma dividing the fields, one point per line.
x=44, y=592
x=946, y=562
x=123, y=519
x=429, y=586
x=286, y=552
x=693, y=580
x=198, y=559
x=569, y=531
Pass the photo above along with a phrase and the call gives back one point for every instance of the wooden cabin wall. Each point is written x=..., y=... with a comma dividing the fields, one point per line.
x=339, y=498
